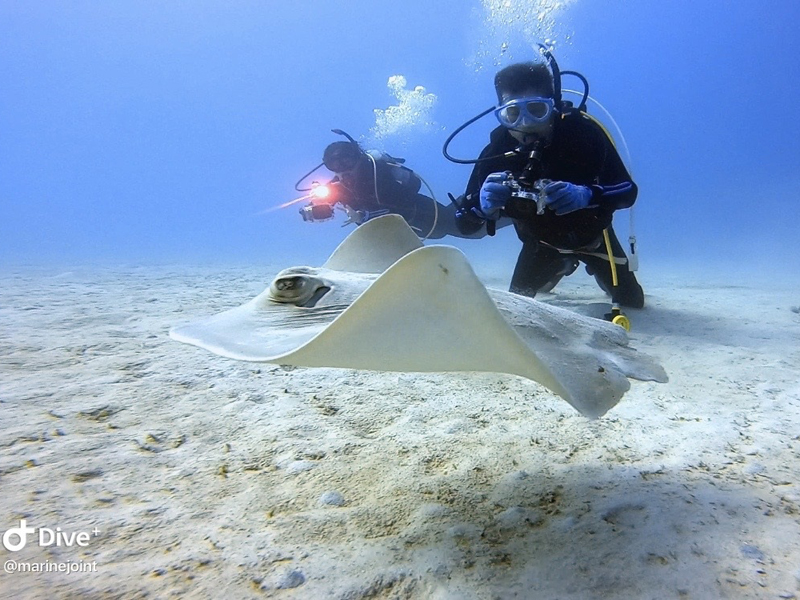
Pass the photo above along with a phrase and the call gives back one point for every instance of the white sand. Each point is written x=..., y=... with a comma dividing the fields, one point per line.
x=205, y=476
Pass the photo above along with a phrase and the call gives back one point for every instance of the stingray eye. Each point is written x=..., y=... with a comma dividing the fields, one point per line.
x=300, y=290
x=285, y=284
x=289, y=288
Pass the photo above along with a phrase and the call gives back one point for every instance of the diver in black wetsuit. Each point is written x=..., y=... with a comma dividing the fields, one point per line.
x=574, y=179
x=370, y=184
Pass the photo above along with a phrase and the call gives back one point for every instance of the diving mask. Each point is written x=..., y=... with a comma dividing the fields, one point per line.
x=519, y=112
x=341, y=157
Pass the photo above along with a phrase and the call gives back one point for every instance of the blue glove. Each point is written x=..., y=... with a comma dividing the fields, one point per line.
x=494, y=195
x=564, y=197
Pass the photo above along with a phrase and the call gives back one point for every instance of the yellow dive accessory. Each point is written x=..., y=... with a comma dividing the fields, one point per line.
x=615, y=316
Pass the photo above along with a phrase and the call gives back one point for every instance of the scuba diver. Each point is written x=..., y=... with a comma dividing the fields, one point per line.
x=370, y=184
x=556, y=173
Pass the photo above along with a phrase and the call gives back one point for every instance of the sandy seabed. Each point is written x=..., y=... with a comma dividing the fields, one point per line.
x=197, y=476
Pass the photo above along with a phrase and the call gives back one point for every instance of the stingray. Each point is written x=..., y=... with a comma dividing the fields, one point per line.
x=384, y=302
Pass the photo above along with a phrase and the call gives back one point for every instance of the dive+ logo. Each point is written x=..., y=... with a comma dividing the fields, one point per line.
x=15, y=538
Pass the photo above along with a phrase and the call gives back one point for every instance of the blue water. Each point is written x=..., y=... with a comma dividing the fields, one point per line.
x=153, y=132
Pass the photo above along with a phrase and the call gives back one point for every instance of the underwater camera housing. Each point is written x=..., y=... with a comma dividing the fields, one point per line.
x=316, y=212
x=529, y=192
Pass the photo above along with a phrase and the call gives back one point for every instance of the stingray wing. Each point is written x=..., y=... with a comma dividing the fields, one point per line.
x=374, y=246
x=430, y=312
x=427, y=312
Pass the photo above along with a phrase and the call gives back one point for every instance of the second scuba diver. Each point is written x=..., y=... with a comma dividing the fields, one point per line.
x=556, y=173
x=370, y=184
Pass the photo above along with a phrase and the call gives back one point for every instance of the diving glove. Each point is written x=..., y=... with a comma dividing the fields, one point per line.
x=564, y=197
x=494, y=196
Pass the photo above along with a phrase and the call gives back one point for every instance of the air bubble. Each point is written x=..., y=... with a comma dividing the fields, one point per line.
x=514, y=27
x=411, y=113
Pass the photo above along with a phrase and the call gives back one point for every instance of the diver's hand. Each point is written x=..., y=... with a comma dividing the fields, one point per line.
x=564, y=197
x=359, y=217
x=494, y=195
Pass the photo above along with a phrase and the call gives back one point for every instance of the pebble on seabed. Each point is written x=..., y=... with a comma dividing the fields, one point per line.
x=332, y=498
x=291, y=579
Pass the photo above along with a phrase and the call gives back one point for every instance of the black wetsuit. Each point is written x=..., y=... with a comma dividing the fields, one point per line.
x=581, y=153
x=398, y=193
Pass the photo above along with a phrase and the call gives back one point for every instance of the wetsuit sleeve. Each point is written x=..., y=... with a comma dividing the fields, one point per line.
x=340, y=193
x=467, y=221
x=615, y=189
